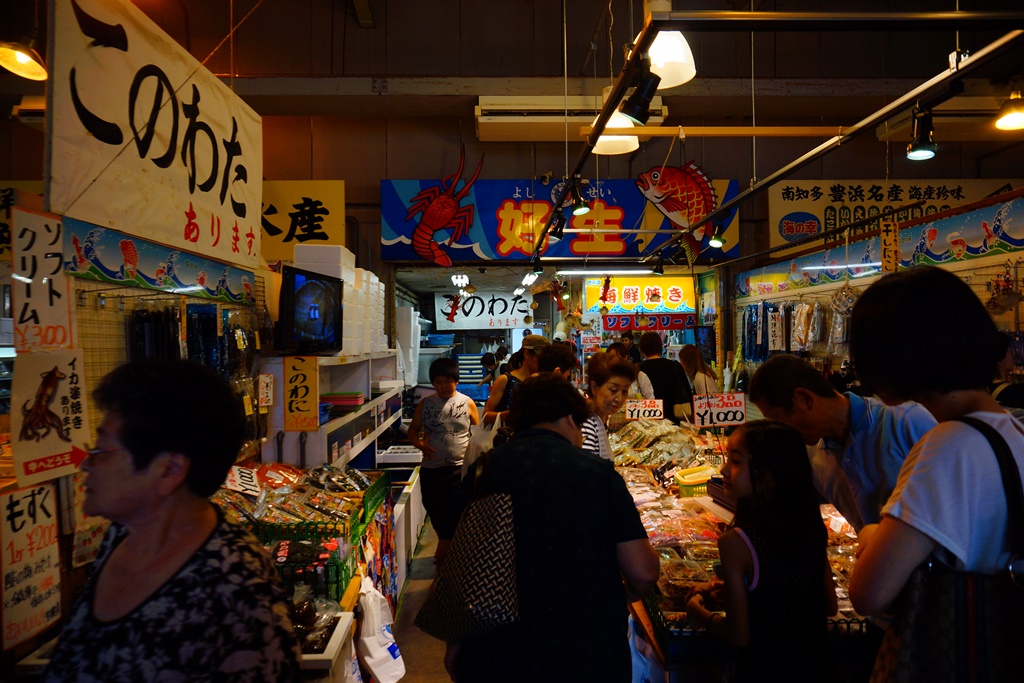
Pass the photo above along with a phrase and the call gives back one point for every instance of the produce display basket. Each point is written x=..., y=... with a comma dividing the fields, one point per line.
x=695, y=488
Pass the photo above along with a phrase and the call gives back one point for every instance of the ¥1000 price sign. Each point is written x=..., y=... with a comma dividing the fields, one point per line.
x=719, y=410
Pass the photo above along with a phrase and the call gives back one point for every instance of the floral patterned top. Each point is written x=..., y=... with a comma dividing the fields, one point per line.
x=222, y=617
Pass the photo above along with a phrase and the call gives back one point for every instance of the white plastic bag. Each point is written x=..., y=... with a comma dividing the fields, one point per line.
x=480, y=442
x=376, y=645
x=646, y=668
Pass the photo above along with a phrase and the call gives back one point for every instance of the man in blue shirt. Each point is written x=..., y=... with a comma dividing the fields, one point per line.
x=857, y=444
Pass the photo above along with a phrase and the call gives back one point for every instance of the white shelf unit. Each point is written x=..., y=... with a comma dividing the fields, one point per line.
x=338, y=441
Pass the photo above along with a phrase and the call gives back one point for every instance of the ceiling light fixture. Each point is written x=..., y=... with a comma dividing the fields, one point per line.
x=717, y=240
x=660, y=268
x=637, y=107
x=671, y=57
x=615, y=144
x=460, y=280
x=517, y=291
x=529, y=279
x=1011, y=114
x=558, y=227
x=20, y=56
x=614, y=271
x=579, y=205
x=922, y=139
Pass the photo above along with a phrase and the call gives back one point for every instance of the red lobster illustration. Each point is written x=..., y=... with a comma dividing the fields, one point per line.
x=39, y=420
x=454, y=300
x=440, y=207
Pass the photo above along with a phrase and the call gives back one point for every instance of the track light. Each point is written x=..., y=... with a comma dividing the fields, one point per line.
x=717, y=240
x=637, y=107
x=660, y=268
x=558, y=227
x=537, y=267
x=579, y=205
x=1011, y=114
x=922, y=139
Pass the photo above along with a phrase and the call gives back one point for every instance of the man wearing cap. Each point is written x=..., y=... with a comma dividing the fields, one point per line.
x=505, y=386
x=559, y=337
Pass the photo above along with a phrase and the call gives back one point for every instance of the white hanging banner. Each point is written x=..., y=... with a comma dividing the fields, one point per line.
x=145, y=140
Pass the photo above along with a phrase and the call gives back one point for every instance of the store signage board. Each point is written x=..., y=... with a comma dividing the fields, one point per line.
x=644, y=409
x=502, y=219
x=143, y=139
x=643, y=323
x=994, y=230
x=719, y=410
x=626, y=295
x=95, y=253
x=42, y=302
x=481, y=311
x=889, y=238
x=301, y=394
x=799, y=209
x=50, y=427
x=243, y=480
x=301, y=212
x=29, y=562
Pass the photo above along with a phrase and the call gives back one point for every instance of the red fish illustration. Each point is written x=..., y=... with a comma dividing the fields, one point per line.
x=201, y=278
x=440, y=207
x=685, y=195
x=38, y=420
x=131, y=258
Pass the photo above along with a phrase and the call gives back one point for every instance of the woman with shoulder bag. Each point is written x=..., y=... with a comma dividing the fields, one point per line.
x=946, y=535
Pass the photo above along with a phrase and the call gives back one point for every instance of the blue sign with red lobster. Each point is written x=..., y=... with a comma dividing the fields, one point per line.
x=463, y=218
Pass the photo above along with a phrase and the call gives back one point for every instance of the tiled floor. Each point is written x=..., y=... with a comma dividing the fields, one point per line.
x=423, y=655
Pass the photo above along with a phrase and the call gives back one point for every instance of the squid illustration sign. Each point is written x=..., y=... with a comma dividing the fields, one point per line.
x=463, y=218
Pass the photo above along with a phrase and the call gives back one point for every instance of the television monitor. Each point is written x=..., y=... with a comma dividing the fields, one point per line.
x=310, y=312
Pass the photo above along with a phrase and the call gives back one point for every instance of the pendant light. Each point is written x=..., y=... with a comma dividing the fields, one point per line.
x=615, y=144
x=579, y=205
x=1011, y=114
x=671, y=57
x=20, y=56
x=717, y=240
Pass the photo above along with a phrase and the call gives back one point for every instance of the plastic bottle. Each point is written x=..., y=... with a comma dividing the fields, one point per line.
x=727, y=375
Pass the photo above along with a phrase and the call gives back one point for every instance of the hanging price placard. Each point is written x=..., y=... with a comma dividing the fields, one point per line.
x=719, y=410
x=644, y=408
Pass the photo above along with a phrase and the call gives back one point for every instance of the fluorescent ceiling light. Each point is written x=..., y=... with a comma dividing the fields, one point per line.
x=612, y=271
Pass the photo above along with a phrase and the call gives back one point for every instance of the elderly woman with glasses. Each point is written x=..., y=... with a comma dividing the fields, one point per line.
x=572, y=514
x=177, y=592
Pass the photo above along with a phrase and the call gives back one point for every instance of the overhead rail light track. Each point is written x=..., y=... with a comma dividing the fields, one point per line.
x=812, y=22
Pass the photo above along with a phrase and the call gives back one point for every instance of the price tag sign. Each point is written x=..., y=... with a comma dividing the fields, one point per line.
x=644, y=408
x=29, y=561
x=243, y=480
x=719, y=410
x=266, y=390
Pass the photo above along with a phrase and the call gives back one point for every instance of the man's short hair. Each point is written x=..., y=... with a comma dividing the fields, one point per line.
x=444, y=367
x=488, y=360
x=559, y=356
x=178, y=407
x=780, y=376
x=626, y=336
x=546, y=397
x=650, y=344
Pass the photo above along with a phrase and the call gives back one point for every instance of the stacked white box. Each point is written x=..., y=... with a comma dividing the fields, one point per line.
x=408, y=330
x=362, y=324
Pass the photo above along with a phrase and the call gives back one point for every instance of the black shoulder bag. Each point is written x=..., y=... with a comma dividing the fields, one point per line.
x=957, y=626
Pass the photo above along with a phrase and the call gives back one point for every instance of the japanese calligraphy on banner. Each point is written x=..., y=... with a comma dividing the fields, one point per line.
x=95, y=253
x=26, y=194
x=29, y=562
x=301, y=212
x=678, y=321
x=42, y=302
x=803, y=208
x=989, y=231
x=481, y=311
x=719, y=410
x=889, y=234
x=301, y=394
x=502, y=219
x=145, y=140
x=644, y=409
x=49, y=434
x=651, y=294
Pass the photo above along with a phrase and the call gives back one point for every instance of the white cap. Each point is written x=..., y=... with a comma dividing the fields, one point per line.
x=559, y=336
